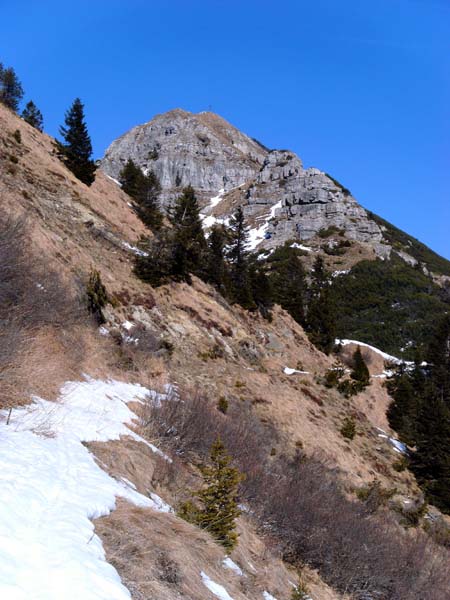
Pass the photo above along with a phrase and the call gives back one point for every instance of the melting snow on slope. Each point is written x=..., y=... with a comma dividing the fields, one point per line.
x=257, y=235
x=218, y=590
x=230, y=564
x=387, y=357
x=398, y=446
x=51, y=489
x=209, y=220
x=268, y=596
x=301, y=247
x=289, y=371
x=134, y=249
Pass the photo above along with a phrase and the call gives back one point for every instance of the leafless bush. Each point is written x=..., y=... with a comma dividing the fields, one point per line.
x=190, y=425
x=367, y=555
x=300, y=505
x=32, y=299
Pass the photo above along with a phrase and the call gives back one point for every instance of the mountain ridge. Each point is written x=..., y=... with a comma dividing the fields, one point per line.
x=282, y=200
x=270, y=375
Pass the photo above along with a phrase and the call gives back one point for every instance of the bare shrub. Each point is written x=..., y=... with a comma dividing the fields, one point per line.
x=32, y=299
x=302, y=509
x=190, y=425
x=370, y=556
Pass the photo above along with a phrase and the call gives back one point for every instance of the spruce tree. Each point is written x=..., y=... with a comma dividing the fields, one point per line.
x=33, y=116
x=189, y=243
x=11, y=91
x=144, y=189
x=218, y=506
x=439, y=358
x=360, y=372
x=216, y=269
x=321, y=321
x=431, y=460
x=261, y=289
x=402, y=413
x=420, y=413
x=76, y=150
x=97, y=296
x=154, y=263
x=321, y=317
x=237, y=255
x=288, y=281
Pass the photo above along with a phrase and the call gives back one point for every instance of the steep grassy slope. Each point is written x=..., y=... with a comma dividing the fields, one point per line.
x=191, y=336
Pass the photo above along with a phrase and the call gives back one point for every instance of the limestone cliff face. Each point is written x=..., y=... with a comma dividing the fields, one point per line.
x=182, y=148
x=309, y=201
x=205, y=151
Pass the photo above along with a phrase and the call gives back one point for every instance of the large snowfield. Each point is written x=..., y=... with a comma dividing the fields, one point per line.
x=52, y=488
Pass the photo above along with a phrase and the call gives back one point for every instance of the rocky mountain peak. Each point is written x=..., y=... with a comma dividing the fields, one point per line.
x=282, y=200
x=183, y=148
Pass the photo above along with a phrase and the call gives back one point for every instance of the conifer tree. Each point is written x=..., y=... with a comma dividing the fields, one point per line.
x=218, y=507
x=216, y=269
x=288, y=281
x=11, y=91
x=420, y=413
x=402, y=413
x=144, y=189
x=189, y=243
x=321, y=318
x=261, y=289
x=76, y=150
x=239, y=264
x=33, y=116
x=321, y=322
x=360, y=372
x=154, y=263
x=431, y=461
x=97, y=296
x=439, y=358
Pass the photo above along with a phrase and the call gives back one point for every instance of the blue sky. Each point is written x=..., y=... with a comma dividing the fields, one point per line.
x=359, y=89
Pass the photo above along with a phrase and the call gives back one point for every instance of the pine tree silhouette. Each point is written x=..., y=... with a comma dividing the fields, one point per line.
x=189, y=243
x=33, y=116
x=237, y=255
x=76, y=150
x=360, y=372
x=321, y=317
x=11, y=91
x=144, y=189
x=288, y=281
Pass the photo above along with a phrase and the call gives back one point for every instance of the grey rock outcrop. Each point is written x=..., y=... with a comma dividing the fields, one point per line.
x=278, y=194
x=182, y=148
x=307, y=202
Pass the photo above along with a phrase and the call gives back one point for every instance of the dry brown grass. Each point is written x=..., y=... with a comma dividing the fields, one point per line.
x=161, y=556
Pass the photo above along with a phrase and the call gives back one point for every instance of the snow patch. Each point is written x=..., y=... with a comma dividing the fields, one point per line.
x=230, y=564
x=134, y=249
x=387, y=357
x=398, y=446
x=301, y=247
x=218, y=590
x=258, y=234
x=52, y=487
x=268, y=596
x=339, y=273
x=115, y=180
x=209, y=220
x=289, y=371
